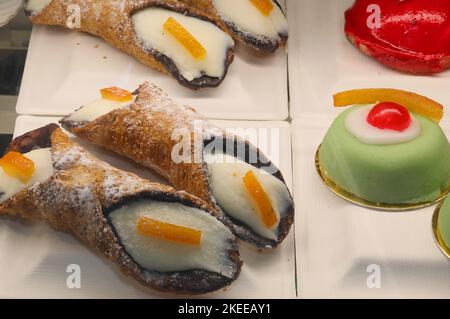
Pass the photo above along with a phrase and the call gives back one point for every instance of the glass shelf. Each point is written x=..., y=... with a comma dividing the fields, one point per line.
x=14, y=38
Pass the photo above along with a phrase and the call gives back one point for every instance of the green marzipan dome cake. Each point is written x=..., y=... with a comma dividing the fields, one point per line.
x=405, y=173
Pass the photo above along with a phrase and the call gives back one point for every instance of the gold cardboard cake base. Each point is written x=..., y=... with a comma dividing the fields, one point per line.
x=436, y=234
x=364, y=203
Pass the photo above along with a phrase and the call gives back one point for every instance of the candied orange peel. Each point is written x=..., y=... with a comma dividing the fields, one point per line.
x=413, y=102
x=17, y=165
x=161, y=230
x=116, y=94
x=185, y=38
x=264, y=6
x=257, y=192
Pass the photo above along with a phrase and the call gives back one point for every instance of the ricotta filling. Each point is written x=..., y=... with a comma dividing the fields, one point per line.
x=148, y=26
x=96, y=109
x=36, y=5
x=10, y=186
x=226, y=175
x=248, y=19
x=165, y=256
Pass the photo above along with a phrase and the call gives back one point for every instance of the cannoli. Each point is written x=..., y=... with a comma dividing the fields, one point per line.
x=260, y=24
x=166, y=240
x=245, y=189
x=166, y=35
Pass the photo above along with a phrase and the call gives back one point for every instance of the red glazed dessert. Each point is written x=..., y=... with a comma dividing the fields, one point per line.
x=408, y=35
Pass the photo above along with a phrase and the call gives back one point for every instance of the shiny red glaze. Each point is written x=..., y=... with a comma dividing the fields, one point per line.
x=389, y=116
x=413, y=36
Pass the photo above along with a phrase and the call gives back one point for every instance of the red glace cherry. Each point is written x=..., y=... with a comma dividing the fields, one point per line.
x=389, y=116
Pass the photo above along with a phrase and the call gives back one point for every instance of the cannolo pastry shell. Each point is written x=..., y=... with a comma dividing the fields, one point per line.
x=258, y=42
x=83, y=190
x=143, y=132
x=112, y=21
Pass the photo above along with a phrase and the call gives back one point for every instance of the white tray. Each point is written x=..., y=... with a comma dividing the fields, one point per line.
x=336, y=241
x=322, y=61
x=33, y=257
x=64, y=70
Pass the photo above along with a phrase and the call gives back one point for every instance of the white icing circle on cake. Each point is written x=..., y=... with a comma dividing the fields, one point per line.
x=357, y=125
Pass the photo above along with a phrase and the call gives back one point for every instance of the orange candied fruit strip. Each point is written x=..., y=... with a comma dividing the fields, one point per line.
x=16, y=165
x=265, y=6
x=257, y=192
x=185, y=38
x=157, y=229
x=116, y=94
x=413, y=102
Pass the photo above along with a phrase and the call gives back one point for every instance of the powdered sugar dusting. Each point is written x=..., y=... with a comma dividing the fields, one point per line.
x=117, y=185
x=153, y=100
x=75, y=155
x=114, y=184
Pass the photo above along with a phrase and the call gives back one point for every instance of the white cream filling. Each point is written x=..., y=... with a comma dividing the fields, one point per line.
x=165, y=256
x=148, y=25
x=226, y=173
x=247, y=18
x=42, y=158
x=95, y=109
x=36, y=5
x=357, y=125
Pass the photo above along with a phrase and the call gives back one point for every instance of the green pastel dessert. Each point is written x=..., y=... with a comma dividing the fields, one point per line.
x=443, y=224
x=385, y=154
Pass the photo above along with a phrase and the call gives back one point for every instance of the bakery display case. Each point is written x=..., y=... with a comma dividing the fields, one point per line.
x=15, y=31
x=247, y=149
